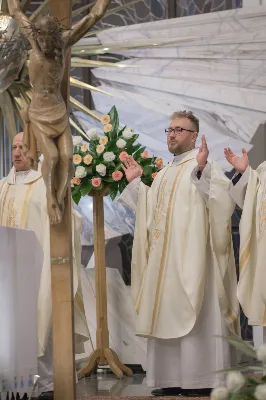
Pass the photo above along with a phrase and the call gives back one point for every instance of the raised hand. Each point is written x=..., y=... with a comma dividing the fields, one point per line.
x=203, y=154
x=132, y=169
x=239, y=163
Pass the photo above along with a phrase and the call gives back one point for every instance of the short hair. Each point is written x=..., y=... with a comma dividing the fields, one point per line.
x=189, y=115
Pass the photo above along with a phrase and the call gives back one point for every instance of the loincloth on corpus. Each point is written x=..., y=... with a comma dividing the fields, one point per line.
x=50, y=122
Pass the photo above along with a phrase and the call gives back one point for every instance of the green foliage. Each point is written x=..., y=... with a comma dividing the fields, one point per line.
x=247, y=392
x=85, y=167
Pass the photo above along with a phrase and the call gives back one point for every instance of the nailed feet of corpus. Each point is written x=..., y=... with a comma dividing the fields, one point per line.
x=54, y=211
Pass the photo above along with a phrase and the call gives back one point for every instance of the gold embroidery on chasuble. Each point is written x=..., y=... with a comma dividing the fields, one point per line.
x=4, y=192
x=157, y=219
x=245, y=253
x=25, y=206
x=164, y=248
x=11, y=213
x=262, y=214
x=158, y=214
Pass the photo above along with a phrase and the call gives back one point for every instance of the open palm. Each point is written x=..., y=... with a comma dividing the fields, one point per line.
x=132, y=169
x=239, y=163
x=203, y=153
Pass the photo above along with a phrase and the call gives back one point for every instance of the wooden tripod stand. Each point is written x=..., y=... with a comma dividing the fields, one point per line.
x=103, y=355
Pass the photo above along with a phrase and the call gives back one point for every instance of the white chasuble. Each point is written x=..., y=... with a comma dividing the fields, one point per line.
x=174, y=227
x=251, y=286
x=23, y=205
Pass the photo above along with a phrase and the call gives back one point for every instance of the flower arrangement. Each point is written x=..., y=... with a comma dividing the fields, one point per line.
x=239, y=386
x=98, y=164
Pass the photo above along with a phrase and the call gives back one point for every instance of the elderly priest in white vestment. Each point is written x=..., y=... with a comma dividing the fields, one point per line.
x=23, y=205
x=183, y=270
x=248, y=189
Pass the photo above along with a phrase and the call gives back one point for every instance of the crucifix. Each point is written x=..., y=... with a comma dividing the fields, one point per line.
x=46, y=122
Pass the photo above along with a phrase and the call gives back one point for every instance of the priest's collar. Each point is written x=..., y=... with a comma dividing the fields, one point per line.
x=30, y=176
x=184, y=156
x=22, y=173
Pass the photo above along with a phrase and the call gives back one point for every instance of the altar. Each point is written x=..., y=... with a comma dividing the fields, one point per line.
x=20, y=271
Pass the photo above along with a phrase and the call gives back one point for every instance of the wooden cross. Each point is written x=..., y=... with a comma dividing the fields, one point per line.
x=62, y=272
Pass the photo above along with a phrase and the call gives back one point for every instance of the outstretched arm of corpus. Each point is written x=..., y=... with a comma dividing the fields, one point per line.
x=86, y=23
x=20, y=18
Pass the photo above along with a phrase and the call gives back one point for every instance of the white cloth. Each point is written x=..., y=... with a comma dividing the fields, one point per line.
x=24, y=205
x=190, y=362
x=20, y=273
x=179, y=356
x=250, y=194
x=20, y=177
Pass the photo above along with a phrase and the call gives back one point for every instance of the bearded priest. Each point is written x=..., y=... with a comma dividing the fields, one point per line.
x=183, y=269
x=23, y=205
x=248, y=189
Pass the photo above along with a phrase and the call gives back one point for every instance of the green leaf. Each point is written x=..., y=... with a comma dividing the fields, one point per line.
x=252, y=382
x=110, y=180
x=76, y=196
x=86, y=188
x=92, y=147
x=76, y=150
x=114, y=121
x=136, y=147
x=88, y=170
x=121, y=131
x=147, y=170
x=139, y=152
x=245, y=368
x=113, y=190
x=129, y=148
x=147, y=180
x=146, y=161
x=241, y=345
x=98, y=189
x=122, y=185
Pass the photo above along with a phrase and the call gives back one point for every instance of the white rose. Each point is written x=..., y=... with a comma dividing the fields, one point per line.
x=260, y=392
x=80, y=172
x=101, y=169
x=109, y=156
x=261, y=353
x=219, y=394
x=121, y=143
x=235, y=381
x=92, y=134
x=127, y=133
x=77, y=140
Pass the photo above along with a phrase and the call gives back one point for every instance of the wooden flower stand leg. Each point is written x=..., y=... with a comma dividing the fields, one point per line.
x=103, y=355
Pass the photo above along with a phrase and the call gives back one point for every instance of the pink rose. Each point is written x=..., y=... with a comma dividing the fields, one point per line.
x=145, y=154
x=123, y=156
x=159, y=162
x=117, y=175
x=96, y=182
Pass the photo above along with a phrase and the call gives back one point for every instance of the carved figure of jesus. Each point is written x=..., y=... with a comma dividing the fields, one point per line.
x=46, y=119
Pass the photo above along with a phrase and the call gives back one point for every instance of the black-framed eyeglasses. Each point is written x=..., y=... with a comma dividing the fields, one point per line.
x=177, y=130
